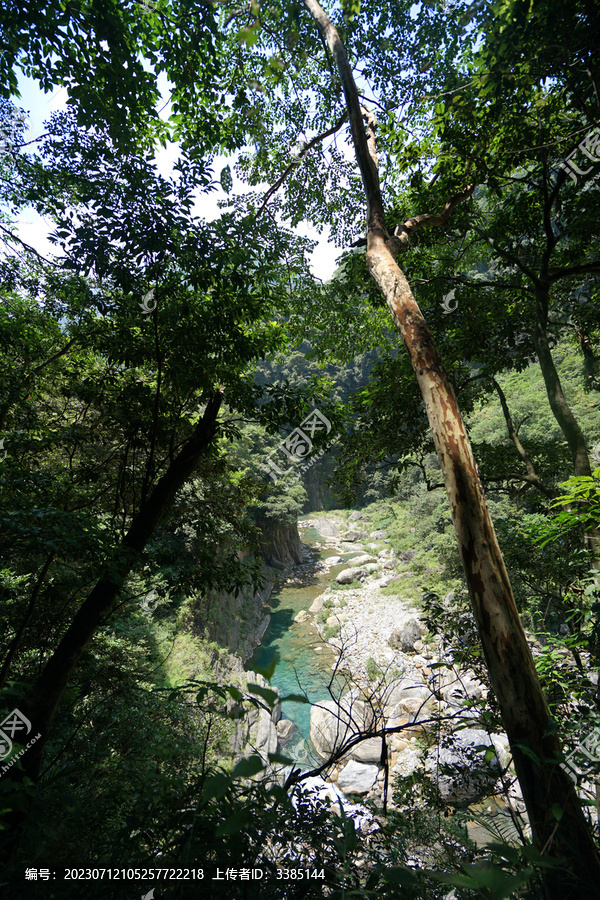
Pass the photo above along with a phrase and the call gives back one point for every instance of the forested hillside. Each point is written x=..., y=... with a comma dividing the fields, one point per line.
x=263, y=532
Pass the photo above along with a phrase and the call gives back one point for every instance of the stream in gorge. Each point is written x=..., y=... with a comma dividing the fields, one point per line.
x=304, y=662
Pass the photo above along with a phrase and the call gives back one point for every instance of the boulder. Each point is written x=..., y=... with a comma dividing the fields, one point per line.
x=355, y=516
x=362, y=559
x=384, y=553
x=317, y=604
x=326, y=528
x=285, y=728
x=455, y=687
x=461, y=772
x=301, y=616
x=404, y=638
x=266, y=738
x=407, y=556
x=334, y=560
x=331, y=724
x=410, y=712
x=379, y=535
x=404, y=689
x=408, y=761
x=352, y=536
x=347, y=576
x=357, y=778
x=391, y=579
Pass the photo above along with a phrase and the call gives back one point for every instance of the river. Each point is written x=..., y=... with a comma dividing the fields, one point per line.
x=304, y=662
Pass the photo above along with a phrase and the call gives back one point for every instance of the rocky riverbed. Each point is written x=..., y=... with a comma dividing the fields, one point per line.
x=396, y=676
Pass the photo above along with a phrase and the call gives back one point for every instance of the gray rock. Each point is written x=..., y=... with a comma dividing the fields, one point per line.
x=334, y=560
x=285, y=728
x=332, y=724
x=326, y=528
x=301, y=616
x=455, y=687
x=410, y=711
x=404, y=638
x=352, y=536
x=355, y=516
x=391, y=579
x=460, y=771
x=347, y=576
x=405, y=689
x=407, y=556
x=357, y=778
x=361, y=559
x=265, y=741
x=379, y=535
x=384, y=553
x=317, y=604
x=409, y=760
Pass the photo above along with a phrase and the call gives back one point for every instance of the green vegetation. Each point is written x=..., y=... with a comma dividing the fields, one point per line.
x=155, y=370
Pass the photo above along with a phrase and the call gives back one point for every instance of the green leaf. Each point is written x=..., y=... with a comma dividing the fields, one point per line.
x=226, y=179
x=267, y=673
x=557, y=811
x=246, y=768
x=235, y=823
x=234, y=692
x=266, y=693
x=215, y=787
x=279, y=758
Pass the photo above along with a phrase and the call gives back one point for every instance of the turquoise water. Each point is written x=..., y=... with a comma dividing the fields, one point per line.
x=301, y=669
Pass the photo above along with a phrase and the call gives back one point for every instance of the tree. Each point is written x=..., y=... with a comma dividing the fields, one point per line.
x=115, y=407
x=525, y=714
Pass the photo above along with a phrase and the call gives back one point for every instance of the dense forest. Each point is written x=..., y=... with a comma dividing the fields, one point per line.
x=207, y=450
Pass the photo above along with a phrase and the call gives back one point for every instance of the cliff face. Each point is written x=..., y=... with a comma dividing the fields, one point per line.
x=280, y=543
x=238, y=623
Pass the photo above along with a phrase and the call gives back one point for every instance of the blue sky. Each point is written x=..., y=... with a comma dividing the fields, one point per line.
x=34, y=230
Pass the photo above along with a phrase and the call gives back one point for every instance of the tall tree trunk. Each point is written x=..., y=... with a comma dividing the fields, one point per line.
x=556, y=397
x=560, y=407
x=536, y=752
x=589, y=359
x=40, y=704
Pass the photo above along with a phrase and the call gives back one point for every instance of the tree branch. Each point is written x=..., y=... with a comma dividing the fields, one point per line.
x=320, y=137
x=568, y=271
x=403, y=231
x=532, y=477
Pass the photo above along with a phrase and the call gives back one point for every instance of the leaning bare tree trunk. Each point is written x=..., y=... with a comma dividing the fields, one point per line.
x=536, y=752
x=42, y=700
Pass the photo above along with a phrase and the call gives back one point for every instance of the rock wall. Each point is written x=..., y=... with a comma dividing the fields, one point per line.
x=279, y=543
